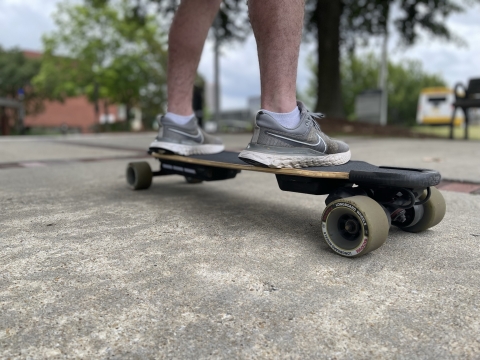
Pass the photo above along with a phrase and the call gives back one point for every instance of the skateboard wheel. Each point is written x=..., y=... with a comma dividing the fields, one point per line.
x=192, y=180
x=354, y=226
x=139, y=175
x=433, y=212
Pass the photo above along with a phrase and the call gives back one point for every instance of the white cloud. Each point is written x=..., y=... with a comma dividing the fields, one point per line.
x=22, y=22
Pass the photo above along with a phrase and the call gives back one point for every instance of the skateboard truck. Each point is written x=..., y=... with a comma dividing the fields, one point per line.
x=394, y=201
x=193, y=171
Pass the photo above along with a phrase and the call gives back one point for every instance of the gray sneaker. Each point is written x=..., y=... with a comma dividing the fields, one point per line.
x=274, y=146
x=186, y=139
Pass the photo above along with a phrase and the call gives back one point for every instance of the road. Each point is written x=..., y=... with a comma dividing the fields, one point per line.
x=234, y=269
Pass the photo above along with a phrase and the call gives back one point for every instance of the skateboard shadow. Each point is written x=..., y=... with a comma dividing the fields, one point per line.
x=236, y=209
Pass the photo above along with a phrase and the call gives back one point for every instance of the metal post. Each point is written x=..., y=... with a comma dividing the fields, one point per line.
x=217, y=71
x=21, y=112
x=383, y=79
x=21, y=118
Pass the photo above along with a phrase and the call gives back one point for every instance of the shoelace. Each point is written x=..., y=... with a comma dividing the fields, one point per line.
x=312, y=116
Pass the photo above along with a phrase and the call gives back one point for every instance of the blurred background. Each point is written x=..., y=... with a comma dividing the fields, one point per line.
x=374, y=67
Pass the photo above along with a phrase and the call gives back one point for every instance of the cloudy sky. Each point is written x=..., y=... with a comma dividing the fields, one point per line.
x=22, y=23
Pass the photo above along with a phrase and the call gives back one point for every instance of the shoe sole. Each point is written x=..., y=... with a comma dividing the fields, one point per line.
x=293, y=162
x=187, y=150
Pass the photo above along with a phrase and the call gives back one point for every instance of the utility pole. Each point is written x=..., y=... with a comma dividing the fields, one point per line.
x=216, y=50
x=383, y=78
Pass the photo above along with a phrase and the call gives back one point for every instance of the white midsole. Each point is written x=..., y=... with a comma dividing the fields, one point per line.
x=187, y=150
x=279, y=161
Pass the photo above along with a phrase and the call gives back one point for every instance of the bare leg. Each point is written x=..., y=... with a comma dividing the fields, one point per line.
x=277, y=26
x=185, y=44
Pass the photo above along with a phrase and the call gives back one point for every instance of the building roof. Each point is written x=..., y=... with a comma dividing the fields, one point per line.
x=30, y=54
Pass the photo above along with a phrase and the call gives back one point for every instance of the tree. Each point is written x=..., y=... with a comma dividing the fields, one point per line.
x=405, y=82
x=337, y=24
x=16, y=74
x=99, y=52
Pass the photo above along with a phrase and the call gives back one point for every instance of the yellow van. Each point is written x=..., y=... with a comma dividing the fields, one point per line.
x=435, y=107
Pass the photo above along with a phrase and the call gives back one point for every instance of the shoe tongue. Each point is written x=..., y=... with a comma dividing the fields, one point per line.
x=159, y=120
x=301, y=107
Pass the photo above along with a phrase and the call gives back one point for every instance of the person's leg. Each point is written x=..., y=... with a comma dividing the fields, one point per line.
x=186, y=39
x=178, y=129
x=277, y=26
x=286, y=134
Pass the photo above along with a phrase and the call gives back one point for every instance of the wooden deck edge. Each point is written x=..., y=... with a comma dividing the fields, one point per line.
x=293, y=172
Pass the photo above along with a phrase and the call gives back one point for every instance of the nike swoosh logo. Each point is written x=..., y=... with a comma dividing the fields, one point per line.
x=197, y=136
x=320, y=140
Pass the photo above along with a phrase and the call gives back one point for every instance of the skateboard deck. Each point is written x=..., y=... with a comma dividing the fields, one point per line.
x=363, y=200
x=356, y=171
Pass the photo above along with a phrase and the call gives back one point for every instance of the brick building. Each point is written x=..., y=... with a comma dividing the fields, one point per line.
x=74, y=113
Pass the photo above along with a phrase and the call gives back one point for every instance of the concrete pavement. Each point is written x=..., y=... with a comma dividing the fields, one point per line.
x=233, y=269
